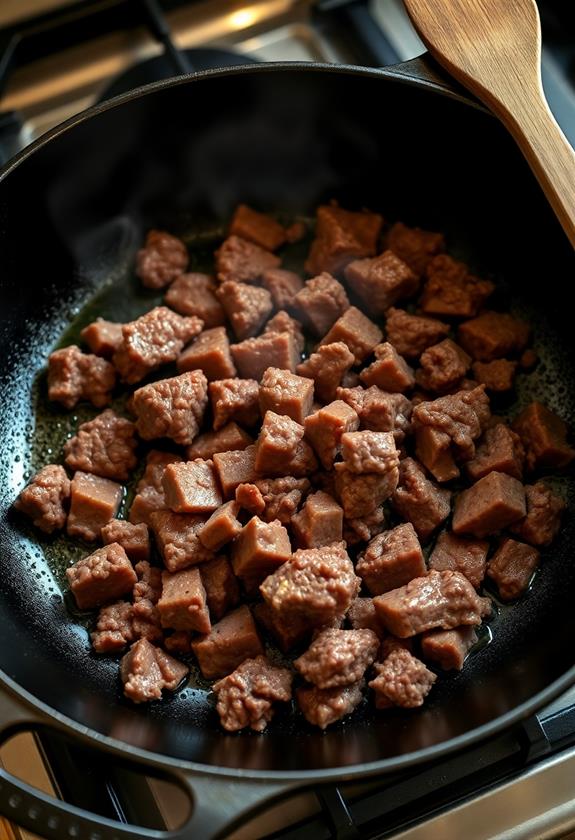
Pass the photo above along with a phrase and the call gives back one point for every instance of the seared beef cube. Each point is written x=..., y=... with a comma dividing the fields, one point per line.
x=500, y=449
x=103, y=576
x=512, y=567
x=102, y=337
x=195, y=294
x=180, y=641
x=221, y=585
x=260, y=548
x=326, y=367
x=147, y=670
x=493, y=503
x=382, y=281
x=75, y=376
x=319, y=522
x=210, y=352
x=163, y=258
x=149, y=490
x=249, y=497
x=282, y=285
x=316, y=584
x=285, y=393
x=246, y=697
x=320, y=303
x=379, y=411
x=402, y=680
x=414, y=246
x=369, y=452
x=146, y=621
x=286, y=634
x=229, y=643
x=114, y=628
x=243, y=262
x=257, y=227
x=134, y=539
x=191, y=487
x=391, y=559
x=233, y=468
x=412, y=334
x=280, y=448
x=234, y=399
x=419, y=500
x=284, y=323
x=543, y=520
x=341, y=236
x=451, y=290
x=254, y=355
x=362, y=616
x=153, y=340
x=227, y=439
x=460, y=554
x=338, y=657
x=94, y=503
x=324, y=706
x=493, y=335
x=177, y=538
x=172, y=407
x=281, y=497
x=544, y=437
x=44, y=498
x=149, y=585
x=356, y=331
x=324, y=429
x=434, y=449
x=247, y=307
x=222, y=527
x=104, y=446
x=390, y=371
x=497, y=375
x=359, y=495
x=182, y=605
x=440, y=599
x=448, y=648
x=364, y=528
x=443, y=366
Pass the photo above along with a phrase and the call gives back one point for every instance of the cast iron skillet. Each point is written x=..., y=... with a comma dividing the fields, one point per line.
x=180, y=155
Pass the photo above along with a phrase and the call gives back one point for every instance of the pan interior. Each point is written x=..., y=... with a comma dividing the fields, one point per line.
x=71, y=218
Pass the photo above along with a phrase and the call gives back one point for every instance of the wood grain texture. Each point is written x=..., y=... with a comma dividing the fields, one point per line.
x=493, y=47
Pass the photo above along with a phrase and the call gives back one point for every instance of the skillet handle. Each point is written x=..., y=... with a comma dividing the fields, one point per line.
x=218, y=804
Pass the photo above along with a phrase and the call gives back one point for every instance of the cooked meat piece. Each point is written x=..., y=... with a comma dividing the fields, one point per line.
x=247, y=307
x=390, y=371
x=104, y=446
x=493, y=335
x=543, y=520
x=440, y=599
x=75, y=376
x=544, y=436
x=234, y=399
x=281, y=497
x=254, y=355
x=242, y=261
x=172, y=407
x=493, y=503
x=249, y=497
x=528, y=359
x=280, y=448
x=191, y=487
x=147, y=670
x=402, y=680
x=356, y=331
x=260, y=548
x=182, y=605
x=149, y=585
x=412, y=334
x=210, y=353
x=382, y=281
x=419, y=500
x=287, y=634
x=102, y=337
x=324, y=429
x=284, y=323
x=512, y=567
x=320, y=303
x=340, y=236
x=227, y=439
x=146, y=621
x=222, y=527
x=369, y=452
x=257, y=227
x=221, y=585
x=45, y=498
x=320, y=521
x=103, y=576
x=296, y=231
x=448, y=648
x=379, y=411
x=414, y=246
x=114, y=628
x=149, y=490
x=460, y=554
x=229, y=643
x=450, y=289
x=285, y=393
x=134, y=539
x=338, y=657
x=177, y=539
x=153, y=340
x=246, y=697
x=497, y=375
x=94, y=503
x=499, y=449
x=443, y=366
x=282, y=285
x=180, y=641
x=362, y=616
x=324, y=706
x=233, y=468
x=195, y=294
x=163, y=258
x=359, y=495
x=327, y=367
x=391, y=559
x=364, y=528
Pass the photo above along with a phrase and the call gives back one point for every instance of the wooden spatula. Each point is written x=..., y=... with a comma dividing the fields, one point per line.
x=493, y=47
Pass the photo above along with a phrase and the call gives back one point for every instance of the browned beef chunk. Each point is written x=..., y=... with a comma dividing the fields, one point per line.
x=172, y=407
x=104, y=446
x=320, y=303
x=460, y=554
x=414, y=246
x=284, y=323
x=285, y=393
x=281, y=497
x=338, y=657
x=360, y=494
x=134, y=539
x=285, y=633
x=242, y=261
x=249, y=497
x=440, y=599
x=362, y=616
x=500, y=449
x=146, y=621
x=280, y=448
x=149, y=490
x=324, y=706
x=147, y=670
x=163, y=258
x=320, y=521
x=222, y=527
x=512, y=567
x=149, y=585
x=356, y=331
x=390, y=371
x=257, y=227
x=182, y=605
x=448, y=648
x=363, y=528
x=326, y=367
x=210, y=353
x=493, y=503
x=247, y=307
x=382, y=281
x=260, y=548
x=114, y=628
x=402, y=680
x=391, y=559
x=153, y=340
x=493, y=335
x=94, y=503
x=282, y=285
x=191, y=487
x=177, y=539
x=103, y=576
x=231, y=641
x=195, y=294
x=543, y=520
x=45, y=498
x=102, y=337
x=497, y=375
x=412, y=334
x=341, y=236
x=75, y=376
x=443, y=366
x=324, y=429
x=544, y=436
x=369, y=452
x=420, y=500
x=379, y=411
x=234, y=468
x=451, y=290
x=221, y=585
x=227, y=439
x=180, y=641
x=246, y=697
x=235, y=399
x=254, y=355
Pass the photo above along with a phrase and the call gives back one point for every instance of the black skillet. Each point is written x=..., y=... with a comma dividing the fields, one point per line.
x=181, y=154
